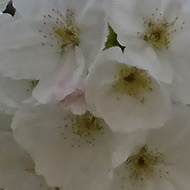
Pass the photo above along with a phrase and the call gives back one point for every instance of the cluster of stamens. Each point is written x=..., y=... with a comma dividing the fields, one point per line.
x=33, y=83
x=142, y=164
x=131, y=81
x=158, y=31
x=86, y=125
x=64, y=31
x=84, y=128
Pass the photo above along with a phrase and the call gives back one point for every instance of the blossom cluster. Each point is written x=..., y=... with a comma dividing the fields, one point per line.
x=95, y=94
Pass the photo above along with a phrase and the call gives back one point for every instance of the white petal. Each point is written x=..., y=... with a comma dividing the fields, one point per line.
x=166, y=71
x=175, y=8
x=179, y=179
x=127, y=114
x=3, y=4
x=110, y=54
x=22, y=54
x=5, y=121
x=77, y=6
x=158, y=184
x=93, y=31
x=6, y=19
x=17, y=168
x=180, y=89
x=179, y=43
x=28, y=8
x=122, y=18
x=64, y=80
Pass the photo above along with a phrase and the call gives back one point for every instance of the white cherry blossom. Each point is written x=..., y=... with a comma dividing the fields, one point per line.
x=46, y=38
x=161, y=161
x=70, y=151
x=154, y=31
x=125, y=94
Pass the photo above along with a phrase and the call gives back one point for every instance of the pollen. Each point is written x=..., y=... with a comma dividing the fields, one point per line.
x=86, y=125
x=67, y=31
x=33, y=83
x=158, y=31
x=142, y=164
x=131, y=81
x=63, y=32
x=69, y=37
x=84, y=129
x=158, y=34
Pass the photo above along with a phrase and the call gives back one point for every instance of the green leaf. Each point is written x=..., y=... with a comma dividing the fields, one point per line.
x=112, y=39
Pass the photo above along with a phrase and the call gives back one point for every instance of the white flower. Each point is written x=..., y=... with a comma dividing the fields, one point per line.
x=70, y=151
x=46, y=36
x=155, y=31
x=161, y=161
x=42, y=43
x=125, y=94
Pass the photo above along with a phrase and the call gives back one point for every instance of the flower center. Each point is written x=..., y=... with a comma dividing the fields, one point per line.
x=158, y=34
x=86, y=125
x=83, y=129
x=65, y=31
x=158, y=31
x=33, y=83
x=142, y=164
x=131, y=81
x=69, y=36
